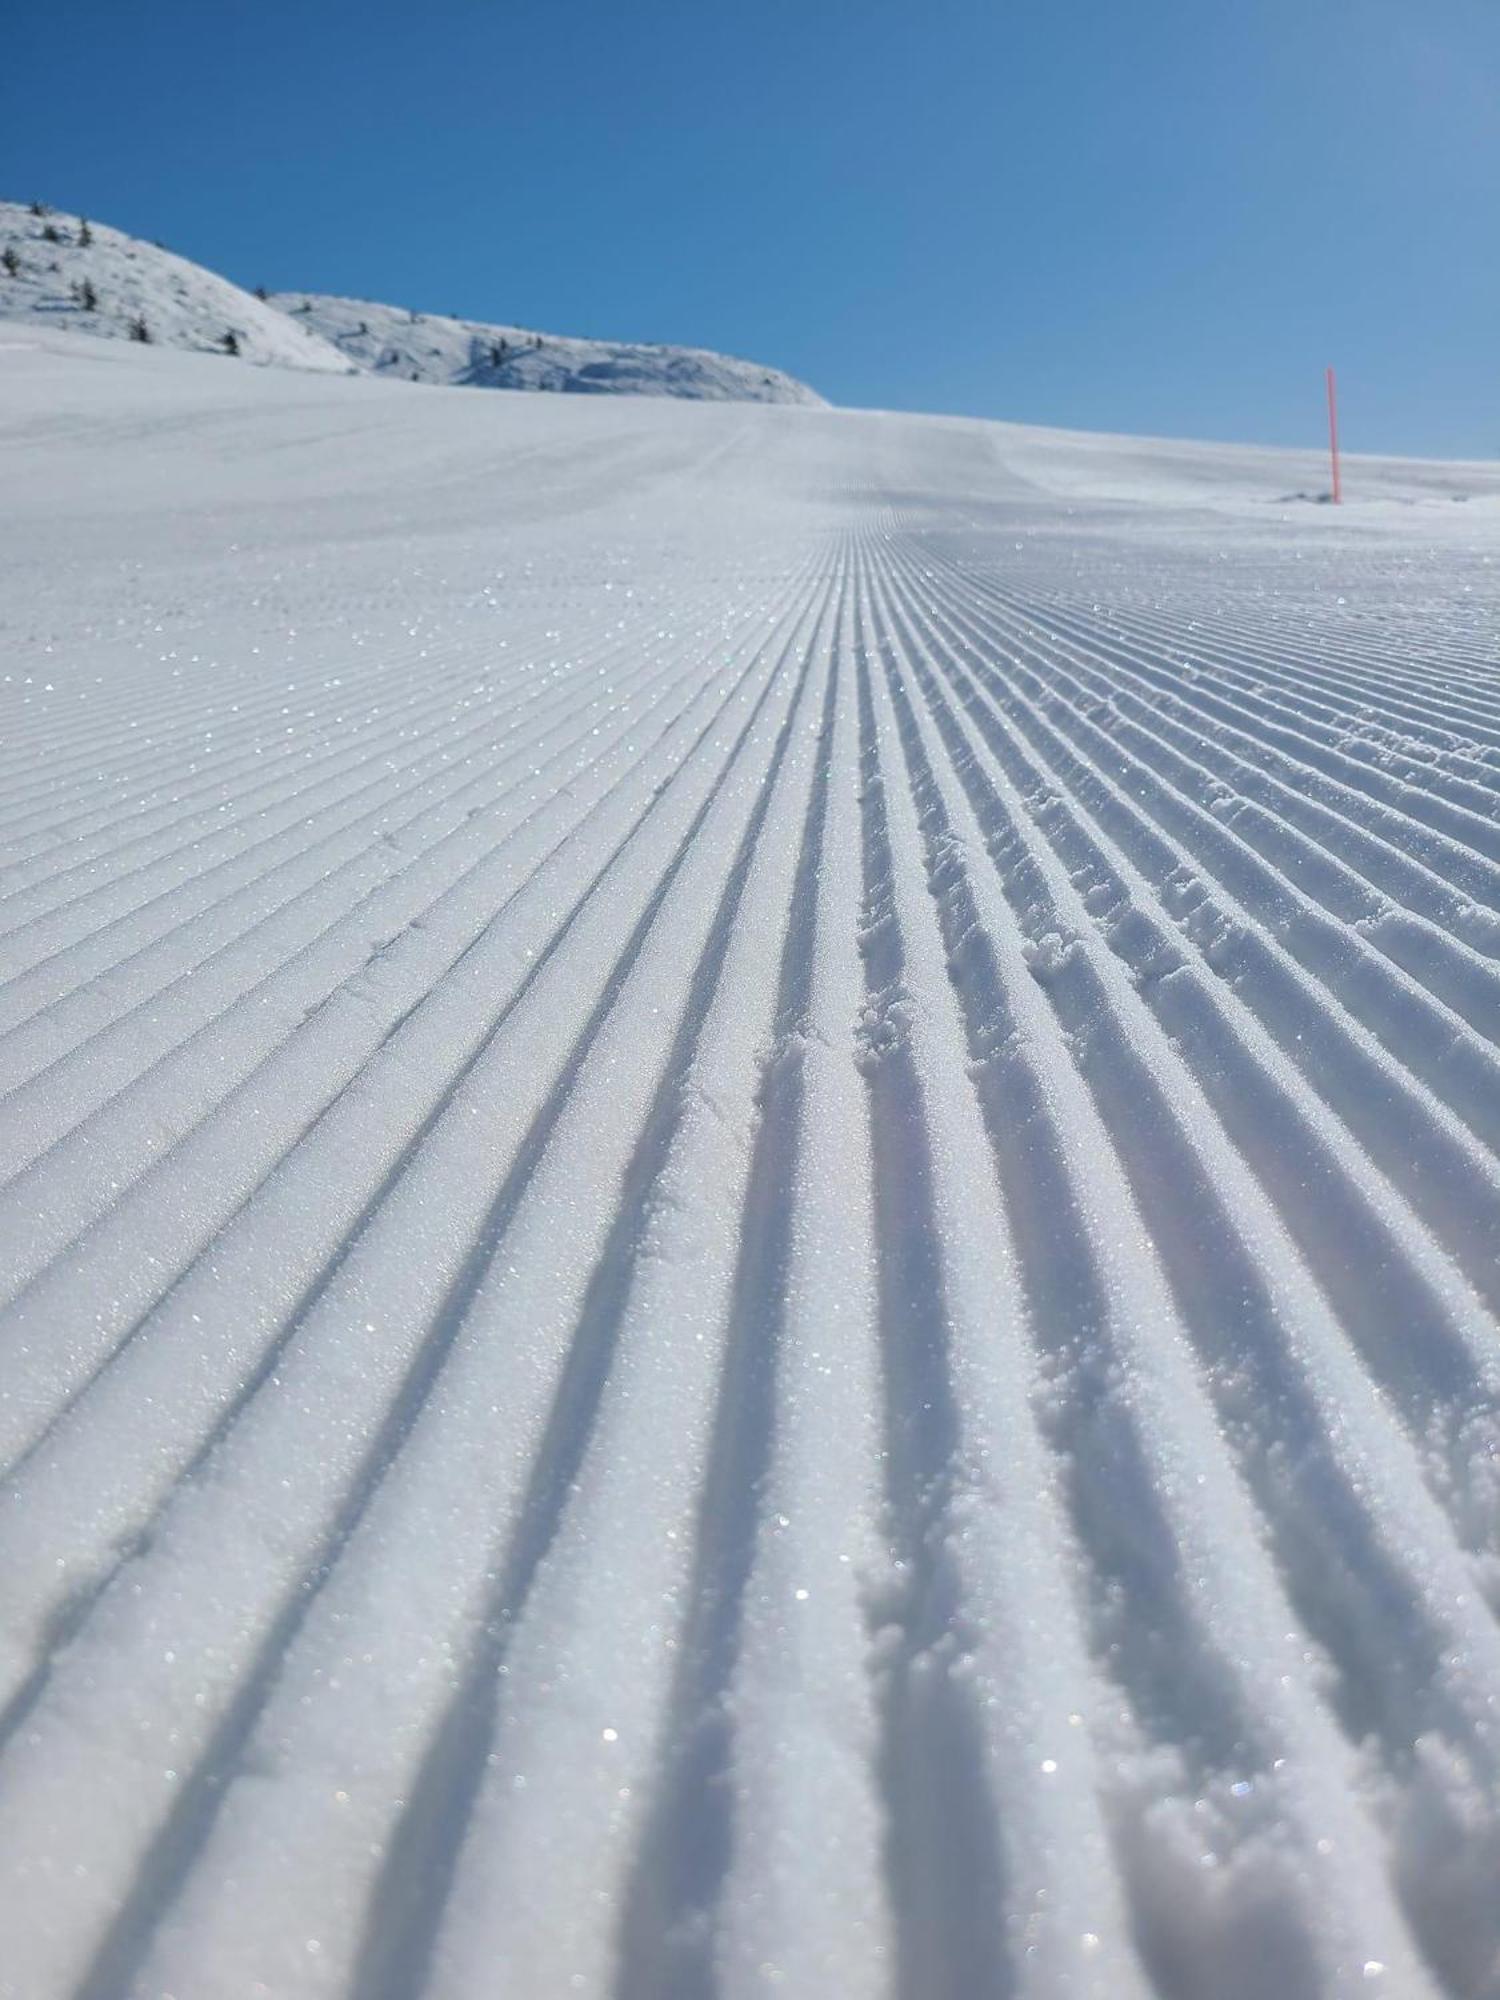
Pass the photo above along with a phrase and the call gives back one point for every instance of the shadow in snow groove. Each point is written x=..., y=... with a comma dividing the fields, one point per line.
x=944, y=1858
x=1354, y=1255
x=1070, y=1312
x=809, y=583
x=71, y=1615
x=1142, y=1623
x=123, y=1949
x=410, y=1893
x=1339, y=1574
x=666, y=1939
x=1127, y=778
x=469, y=798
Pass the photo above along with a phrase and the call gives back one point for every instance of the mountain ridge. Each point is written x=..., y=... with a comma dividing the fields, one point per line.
x=65, y=271
x=74, y=273
x=462, y=353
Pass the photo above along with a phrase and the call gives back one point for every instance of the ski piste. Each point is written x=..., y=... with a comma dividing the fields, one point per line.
x=749, y=1201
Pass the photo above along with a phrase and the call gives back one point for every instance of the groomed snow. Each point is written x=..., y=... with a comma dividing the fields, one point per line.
x=749, y=1212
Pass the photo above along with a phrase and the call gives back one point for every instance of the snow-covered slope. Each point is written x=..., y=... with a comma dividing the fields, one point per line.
x=84, y=277
x=427, y=347
x=749, y=1203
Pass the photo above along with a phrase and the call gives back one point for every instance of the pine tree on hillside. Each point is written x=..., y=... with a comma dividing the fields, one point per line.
x=86, y=296
x=85, y=234
x=51, y=234
x=39, y=208
x=231, y=342
x=261, y=293
x=139, y=329
x=11, y=261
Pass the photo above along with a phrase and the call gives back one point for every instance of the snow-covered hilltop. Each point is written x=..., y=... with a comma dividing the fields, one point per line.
x=63, y=271
x=430, y=347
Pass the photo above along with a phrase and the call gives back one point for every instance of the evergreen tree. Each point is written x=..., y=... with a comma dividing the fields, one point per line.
x=39, y=208
x=85, y=234
x=86, y=296
x=231, y=342
x=139, y=329
x=10, y=260
x=51, y=234
x=261, y=292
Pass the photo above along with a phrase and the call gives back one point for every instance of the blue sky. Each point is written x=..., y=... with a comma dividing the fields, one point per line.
x=1146, y=215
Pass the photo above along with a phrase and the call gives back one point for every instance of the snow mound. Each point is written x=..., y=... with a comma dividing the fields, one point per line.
x=89, y=278
x=430, y=347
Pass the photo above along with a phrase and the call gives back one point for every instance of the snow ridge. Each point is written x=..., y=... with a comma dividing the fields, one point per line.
x=68, y=273
x=429, y=347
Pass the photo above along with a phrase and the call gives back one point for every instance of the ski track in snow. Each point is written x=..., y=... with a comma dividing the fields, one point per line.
x=748, y=1207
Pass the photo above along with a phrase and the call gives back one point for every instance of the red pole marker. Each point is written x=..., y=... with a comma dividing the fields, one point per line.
x=1333, y=435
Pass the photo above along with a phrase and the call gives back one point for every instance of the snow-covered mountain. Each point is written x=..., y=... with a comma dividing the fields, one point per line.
x=430, y=347
x=62, y=271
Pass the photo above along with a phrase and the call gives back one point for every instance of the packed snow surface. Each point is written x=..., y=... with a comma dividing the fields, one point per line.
x=750, y=1207
x=429, y=347
x=80, y=276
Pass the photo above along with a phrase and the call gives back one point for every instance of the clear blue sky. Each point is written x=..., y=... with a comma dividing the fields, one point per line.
x=1144, y=215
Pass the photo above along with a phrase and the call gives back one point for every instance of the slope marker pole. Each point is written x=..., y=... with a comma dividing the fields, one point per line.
x=1333, y=435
